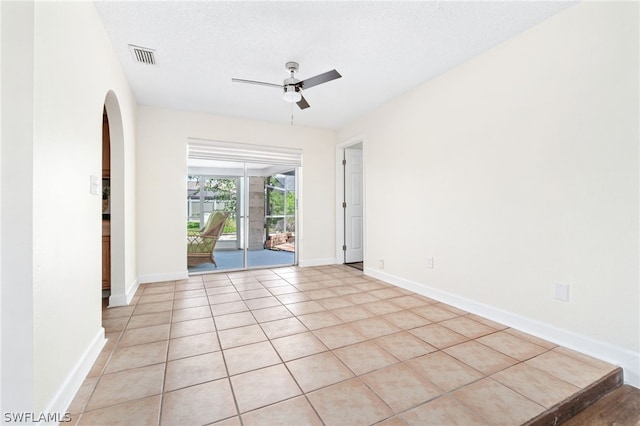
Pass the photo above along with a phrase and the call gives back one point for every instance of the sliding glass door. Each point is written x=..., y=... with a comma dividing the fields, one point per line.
x=271, y=226
x=258, y=201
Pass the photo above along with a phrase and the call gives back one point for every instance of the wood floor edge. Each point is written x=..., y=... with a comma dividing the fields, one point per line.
x=568, y=408
x=620, y=407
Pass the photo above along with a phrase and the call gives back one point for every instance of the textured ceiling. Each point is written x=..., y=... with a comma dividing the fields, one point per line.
x=382, y=49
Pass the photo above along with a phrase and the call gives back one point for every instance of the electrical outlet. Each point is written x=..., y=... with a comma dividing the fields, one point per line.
x=562, y=292
x=430, y=262
x=381, y=263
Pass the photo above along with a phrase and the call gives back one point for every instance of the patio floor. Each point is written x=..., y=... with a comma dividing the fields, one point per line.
x=233, y=259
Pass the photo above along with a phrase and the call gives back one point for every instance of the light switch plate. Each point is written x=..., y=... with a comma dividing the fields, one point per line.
x=94, y=185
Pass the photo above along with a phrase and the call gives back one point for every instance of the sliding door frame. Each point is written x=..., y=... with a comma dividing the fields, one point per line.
x=237, y=152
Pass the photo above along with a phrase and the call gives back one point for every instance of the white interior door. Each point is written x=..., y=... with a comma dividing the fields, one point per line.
x=353, y=205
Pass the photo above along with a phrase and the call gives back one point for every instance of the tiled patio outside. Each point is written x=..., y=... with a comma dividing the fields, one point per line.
x=324, y=345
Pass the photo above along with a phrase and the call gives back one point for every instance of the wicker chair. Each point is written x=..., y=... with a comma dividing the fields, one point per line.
x=200, y=247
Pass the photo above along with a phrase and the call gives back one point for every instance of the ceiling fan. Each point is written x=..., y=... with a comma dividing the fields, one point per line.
x=293, y=87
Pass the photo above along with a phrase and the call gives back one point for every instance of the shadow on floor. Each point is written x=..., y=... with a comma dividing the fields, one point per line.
x=358, y=265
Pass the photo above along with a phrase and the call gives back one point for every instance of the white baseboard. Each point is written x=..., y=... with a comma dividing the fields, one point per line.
x=124, y=299
x=627, y=359
x=61, y=401
x=167, y=276
x=317, y=262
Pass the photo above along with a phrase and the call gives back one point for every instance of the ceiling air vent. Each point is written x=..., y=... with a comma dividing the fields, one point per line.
x=143, y=54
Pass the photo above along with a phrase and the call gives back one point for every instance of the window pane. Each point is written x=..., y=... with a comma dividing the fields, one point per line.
x=276, y=202
x=222, y=195
x=194, y=210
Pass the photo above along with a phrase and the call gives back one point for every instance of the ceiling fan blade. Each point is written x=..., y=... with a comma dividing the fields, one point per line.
x=259, y=83
x=302, y=103
x=319, y=79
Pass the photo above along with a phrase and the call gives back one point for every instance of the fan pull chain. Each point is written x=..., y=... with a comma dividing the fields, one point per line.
x=292, y=113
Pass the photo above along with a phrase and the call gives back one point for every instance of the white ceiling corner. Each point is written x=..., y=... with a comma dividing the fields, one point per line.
x=382, y=49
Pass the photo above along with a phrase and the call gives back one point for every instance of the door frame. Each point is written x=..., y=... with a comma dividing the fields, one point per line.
x=340, y=193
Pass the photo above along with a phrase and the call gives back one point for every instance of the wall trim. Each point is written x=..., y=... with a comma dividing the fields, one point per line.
x=70, y=386
x=124, y=299
x=627, y=359
x=167, y=276
x=317, y=262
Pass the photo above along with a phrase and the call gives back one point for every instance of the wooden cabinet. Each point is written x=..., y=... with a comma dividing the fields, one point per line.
x=106, y=255
x=106, y=148
x=106, y=224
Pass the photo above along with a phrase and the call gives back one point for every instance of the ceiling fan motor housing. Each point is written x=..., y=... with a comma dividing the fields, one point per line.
x=292, y=67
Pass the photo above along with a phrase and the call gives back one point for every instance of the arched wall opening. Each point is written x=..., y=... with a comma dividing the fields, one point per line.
x=118, y=294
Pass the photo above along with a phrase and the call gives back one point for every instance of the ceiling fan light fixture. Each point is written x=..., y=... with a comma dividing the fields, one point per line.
x=293, y=87
x=290, y=94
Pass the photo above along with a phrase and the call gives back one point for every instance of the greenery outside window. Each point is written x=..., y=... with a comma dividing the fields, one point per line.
x=280, y=203
x=208, y=194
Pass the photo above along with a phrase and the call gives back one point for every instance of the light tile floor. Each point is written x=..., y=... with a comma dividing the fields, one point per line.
x=325, y=345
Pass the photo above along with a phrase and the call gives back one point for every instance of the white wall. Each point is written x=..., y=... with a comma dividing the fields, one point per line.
x=161, y=182
x=1, y=26
x=17, y=238
x=59, y=286
x=516, y=171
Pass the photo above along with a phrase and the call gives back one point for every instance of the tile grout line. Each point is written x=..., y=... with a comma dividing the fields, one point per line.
x=224, y=360
x=166, y=363
x=101, y=374
x=338, y=281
